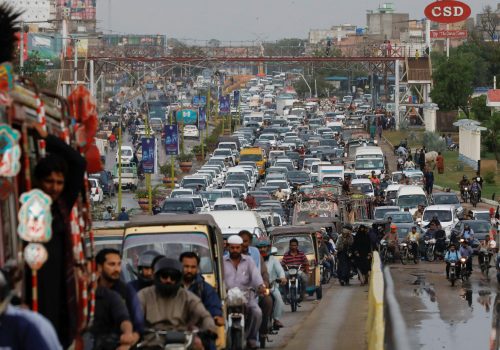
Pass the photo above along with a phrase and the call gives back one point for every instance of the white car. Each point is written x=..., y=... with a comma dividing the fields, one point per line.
x=445, y=213
x=363, y=186
x=191, y=131
x=126, y=154
x=96, y=192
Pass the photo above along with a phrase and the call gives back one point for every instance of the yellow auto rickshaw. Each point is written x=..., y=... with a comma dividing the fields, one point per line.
x=172, y=235
x=306, y=236
x=108, y=234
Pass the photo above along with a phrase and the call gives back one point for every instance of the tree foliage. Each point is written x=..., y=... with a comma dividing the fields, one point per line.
x=479, y=110
x=453, y=83
x=35, y=69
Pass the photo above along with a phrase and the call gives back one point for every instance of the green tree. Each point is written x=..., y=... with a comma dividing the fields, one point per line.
x=35, y=68
x=453, y=82
x=493, y=133
x=479, y=110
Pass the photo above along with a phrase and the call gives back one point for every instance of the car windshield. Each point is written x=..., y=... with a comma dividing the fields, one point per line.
x=225, y=207
x=400, y=217
x=366, y=164
x=222, y=152
x=171, y=206
x=282, y=243
x=412, y=200
x=180, y=193
x=442, y=215
x=237, y=176
x=362, y=188
x=298, y=175
x=250, y=157
x=482, y=216
x=391, y=194
x=192, y=182
x=266, y=137
x=479, y=226
x=171, y=245
x=446, y=199
x=278, y=184
x=381, y=211
x=126, y=152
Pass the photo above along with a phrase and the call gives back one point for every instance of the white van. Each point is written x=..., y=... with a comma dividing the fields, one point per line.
x=126, y=153
x=225, y=204
x=363, y=186
x=369, y=152
x=410, y=197
x=363, y=167
x=231, y=222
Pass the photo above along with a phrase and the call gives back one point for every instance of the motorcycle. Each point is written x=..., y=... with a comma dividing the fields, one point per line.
x=464, y=272
x=485, y=264
x=453, y=273
x=325, y=273
x=474, y=197
x=406, y=253
x=236, y=308
x=172, y=339
x=385, y=252
x=430, y=246
x=465, y=194
x=400, y=165
x=294, y=286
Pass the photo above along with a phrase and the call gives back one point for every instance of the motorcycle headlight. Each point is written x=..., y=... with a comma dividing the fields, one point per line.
x=292, y=271
x=403, y=244
x=463, y=260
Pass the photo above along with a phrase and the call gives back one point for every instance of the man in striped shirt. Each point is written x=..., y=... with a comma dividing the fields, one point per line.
x=296, y=257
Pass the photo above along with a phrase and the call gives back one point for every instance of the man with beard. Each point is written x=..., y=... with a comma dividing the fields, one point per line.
x=276, y=272
x=145, y=270
x=108, y=263
x=240, y=272
x=265, y=301
x=194, y=282
x=168, y=306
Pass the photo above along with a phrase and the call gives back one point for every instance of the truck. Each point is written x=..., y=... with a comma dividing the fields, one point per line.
x=283, y=101
x=257, y=155
x=330, y=173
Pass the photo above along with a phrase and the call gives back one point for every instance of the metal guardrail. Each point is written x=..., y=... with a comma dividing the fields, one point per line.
x=395, y=336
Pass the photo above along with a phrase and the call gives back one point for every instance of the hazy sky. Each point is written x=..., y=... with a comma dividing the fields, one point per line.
x=244, y=19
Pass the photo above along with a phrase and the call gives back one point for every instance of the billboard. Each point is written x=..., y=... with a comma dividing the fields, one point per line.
x=224, y=104
x=202, y=123
x=82, y=10
x=148, y=155
x=451, y=34
x=200, y=100
x=171, y=140
x=187, y=117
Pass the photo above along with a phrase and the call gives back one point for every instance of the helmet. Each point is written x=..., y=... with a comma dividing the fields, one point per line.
x=263, y=243
x=168, y=264
x=146, y=258
x=464, y=177
x=394, y=228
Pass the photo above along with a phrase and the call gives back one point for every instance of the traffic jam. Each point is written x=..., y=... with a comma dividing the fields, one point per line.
x=306, y=190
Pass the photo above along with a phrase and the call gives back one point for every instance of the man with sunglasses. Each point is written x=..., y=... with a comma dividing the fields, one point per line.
x=168, y=306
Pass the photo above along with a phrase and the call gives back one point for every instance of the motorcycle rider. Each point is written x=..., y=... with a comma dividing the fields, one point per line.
x=479, y=180
x=419, y=213
x=392, y=239
x=167, y=306
x=279, y=194
x=144, y=270
x=452, y=255
x=195, y=283
x=468, y=233
x=487, y=248
x=240, y=271
x=475, y=187
x=413, y=239
x=409, y=164
x=324, y=252
x=463, y=184
x=466, y=252
x=296, y=257
x=112, y=141
x=276, y=272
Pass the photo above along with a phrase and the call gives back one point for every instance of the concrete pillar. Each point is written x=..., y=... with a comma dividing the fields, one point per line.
x=430, y=110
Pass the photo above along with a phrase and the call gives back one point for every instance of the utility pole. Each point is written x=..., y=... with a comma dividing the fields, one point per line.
x=21, y=49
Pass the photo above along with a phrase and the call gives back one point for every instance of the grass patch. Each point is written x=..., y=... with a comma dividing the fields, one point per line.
x=453, y=174
x=395, y=136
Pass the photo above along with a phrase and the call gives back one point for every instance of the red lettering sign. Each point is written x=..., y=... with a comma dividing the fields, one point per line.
x=447, y=11
x=452, y=34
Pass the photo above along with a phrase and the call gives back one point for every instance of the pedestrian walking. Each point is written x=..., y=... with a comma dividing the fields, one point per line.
x=440, y=163
x=429, y=180
x=379, y=131
x=421, y=160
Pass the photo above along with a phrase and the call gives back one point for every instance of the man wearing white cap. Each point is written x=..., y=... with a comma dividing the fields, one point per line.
x=240, y=271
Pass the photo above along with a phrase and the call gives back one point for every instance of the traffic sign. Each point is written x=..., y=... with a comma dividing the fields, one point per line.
x=450, y=34
x=447, y=11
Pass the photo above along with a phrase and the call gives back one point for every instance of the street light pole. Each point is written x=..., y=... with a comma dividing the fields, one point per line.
x=21, y=48
x=75, y=65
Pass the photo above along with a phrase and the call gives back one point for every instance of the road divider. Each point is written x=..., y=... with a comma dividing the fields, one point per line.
x=375, y=325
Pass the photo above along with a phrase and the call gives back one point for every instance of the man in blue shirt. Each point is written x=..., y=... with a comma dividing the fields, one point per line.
x=195, y=283
x=452, y=255
x=466, y=252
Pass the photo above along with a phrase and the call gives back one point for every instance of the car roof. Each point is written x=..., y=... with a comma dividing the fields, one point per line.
x=225, y=201
x=360, y=181
x=440, y=207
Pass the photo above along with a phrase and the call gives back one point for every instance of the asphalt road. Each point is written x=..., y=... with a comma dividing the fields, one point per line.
x=439, y=316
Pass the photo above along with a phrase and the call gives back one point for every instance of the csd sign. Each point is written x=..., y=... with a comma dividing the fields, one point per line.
x=447, y=11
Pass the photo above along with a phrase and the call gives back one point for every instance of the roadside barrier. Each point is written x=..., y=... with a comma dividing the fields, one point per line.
x=395, y=326
x=375, y=325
